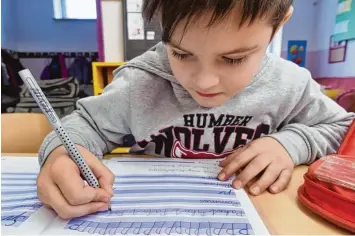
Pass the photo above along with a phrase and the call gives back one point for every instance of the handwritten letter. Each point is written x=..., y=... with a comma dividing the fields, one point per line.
x=174, y=197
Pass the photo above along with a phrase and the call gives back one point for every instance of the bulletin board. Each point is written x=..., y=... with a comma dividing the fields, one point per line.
x=345, y=21
x=138, y=35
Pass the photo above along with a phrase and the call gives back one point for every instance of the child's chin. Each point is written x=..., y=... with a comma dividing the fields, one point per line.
x=210, y=102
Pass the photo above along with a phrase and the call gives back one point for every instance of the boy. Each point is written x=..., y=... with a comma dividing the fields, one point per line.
x=207, y=91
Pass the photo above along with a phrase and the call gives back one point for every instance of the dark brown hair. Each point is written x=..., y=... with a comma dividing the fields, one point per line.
x=171, y=12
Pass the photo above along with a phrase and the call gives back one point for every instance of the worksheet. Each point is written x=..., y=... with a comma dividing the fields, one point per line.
x=168, y=197
x=21, y=211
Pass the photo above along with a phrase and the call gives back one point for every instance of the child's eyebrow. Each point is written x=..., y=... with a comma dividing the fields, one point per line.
x=241, y=50
x=234, y=51
x=178, y=47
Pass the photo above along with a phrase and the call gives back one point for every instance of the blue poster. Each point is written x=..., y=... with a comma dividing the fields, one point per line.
x=296, y=52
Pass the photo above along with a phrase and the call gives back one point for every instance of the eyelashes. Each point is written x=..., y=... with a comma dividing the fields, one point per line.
x=231, y=61
x=179, y=55
x=236, y=61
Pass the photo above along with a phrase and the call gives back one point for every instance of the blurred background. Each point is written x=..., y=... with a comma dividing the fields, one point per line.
x=80, y=42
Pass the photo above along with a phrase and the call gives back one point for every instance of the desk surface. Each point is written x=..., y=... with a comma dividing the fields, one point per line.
x=282, y=213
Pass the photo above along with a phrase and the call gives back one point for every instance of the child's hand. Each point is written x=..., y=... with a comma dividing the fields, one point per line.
x=61, y=187
x=261, y=164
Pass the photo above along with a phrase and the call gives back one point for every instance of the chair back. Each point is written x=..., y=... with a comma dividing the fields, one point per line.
x=23, y=132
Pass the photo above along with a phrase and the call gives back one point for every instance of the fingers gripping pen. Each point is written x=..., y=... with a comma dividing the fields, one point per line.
x=54, y=121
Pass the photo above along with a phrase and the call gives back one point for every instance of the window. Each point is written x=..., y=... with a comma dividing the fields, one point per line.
x=275, y=46
x=74, y=9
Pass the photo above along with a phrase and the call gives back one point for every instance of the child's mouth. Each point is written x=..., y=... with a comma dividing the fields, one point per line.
x=207, y=95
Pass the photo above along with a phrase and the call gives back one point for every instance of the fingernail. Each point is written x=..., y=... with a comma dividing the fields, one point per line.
x=255, y=190
x=222, y=176
x=274, y=189
x=104, y=208
x=237, y=184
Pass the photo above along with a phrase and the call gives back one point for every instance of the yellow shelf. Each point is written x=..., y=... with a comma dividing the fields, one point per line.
x=121, y=150
x=102, y=73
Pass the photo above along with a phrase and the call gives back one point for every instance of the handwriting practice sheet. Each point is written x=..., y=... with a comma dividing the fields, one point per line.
x=168, y=197
x=21, y=211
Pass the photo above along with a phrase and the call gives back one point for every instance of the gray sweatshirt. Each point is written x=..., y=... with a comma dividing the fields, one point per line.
x=145, y=100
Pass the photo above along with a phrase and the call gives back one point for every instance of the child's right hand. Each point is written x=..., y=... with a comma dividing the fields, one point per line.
x=60, y=186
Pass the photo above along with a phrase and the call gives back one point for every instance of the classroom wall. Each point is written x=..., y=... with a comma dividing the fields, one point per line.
x=37, y=31
x=314, y=21
x=9, y=24
x=301, y=27
x=112, y=33
x=326, y=16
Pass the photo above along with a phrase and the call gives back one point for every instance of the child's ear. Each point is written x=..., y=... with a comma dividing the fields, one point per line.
x=288, y=15
x=284, y=20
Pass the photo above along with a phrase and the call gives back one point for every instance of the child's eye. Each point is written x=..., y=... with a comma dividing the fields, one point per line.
x=180, y=56
x=235, y=61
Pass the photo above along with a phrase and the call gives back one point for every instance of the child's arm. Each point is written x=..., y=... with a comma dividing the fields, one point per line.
x=97, y=127
x=99, y=123
x=315, y=127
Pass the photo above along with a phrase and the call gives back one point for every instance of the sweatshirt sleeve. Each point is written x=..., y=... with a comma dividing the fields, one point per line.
x=99, y=122
x=315, y=127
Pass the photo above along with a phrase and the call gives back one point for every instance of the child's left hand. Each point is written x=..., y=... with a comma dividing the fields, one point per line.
x=262, y=164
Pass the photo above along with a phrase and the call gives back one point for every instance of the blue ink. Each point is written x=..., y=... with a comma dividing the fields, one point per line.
x=159, y=227
x=14, y=209
x=32, y=206
x=13, y=220
x=173, y=211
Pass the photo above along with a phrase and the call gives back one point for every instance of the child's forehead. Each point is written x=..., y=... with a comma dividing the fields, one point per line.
x=223, y=35
x=236, y=12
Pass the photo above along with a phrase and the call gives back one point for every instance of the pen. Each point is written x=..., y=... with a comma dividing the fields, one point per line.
x=54, y=121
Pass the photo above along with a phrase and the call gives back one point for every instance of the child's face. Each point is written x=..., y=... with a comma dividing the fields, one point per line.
x=214, y=64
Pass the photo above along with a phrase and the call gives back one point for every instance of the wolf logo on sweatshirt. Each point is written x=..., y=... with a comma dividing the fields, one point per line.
x=229, y=132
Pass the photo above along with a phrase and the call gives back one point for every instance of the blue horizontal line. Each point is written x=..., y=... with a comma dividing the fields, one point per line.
x=176, y=211
x=166, y=176
x=158, y=161
x=194, y=182
x=16, y=184
x=11, y=178
x=17, y=173
x=172, y=200
x=19, y=192
x=152, y=190
x=19, y=199
x=36, y=205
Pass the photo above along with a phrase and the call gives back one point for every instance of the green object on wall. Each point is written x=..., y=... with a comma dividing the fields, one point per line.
x=345, y=21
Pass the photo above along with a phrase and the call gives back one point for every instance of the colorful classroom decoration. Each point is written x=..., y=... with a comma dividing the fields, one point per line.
x=345, y=21
x=296, y=52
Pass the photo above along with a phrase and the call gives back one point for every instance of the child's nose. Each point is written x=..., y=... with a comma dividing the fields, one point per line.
x=204, y=81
